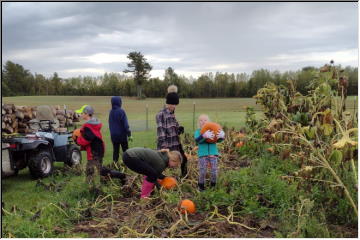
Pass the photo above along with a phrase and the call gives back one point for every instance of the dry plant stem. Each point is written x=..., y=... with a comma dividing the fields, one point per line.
x=216, y=212
x=313, y=179
x=326, y=165
x=354, y=170
x=58, y=208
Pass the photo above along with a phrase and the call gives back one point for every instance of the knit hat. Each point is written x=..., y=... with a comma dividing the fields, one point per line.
x=172, y=96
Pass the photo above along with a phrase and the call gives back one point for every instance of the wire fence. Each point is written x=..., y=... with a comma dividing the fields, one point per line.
x=147, y=121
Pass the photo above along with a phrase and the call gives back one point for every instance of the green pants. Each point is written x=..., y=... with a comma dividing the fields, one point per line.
x=93, y=169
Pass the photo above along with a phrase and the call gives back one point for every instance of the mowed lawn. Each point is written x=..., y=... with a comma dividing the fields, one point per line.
x=23, y=197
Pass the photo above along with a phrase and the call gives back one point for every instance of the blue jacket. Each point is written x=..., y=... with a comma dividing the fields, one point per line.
x=205, y=148
x=118, y=123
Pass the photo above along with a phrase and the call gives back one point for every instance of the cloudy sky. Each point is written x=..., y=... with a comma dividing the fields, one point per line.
x=90, y=38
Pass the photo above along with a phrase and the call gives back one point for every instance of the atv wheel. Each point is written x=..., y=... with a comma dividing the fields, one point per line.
x=41, y=164
x=73, y=156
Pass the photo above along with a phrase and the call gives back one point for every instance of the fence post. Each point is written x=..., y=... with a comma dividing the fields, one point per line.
x=193, y=116
x=147, y=117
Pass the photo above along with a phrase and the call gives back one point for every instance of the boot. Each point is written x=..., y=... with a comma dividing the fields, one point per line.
x=212, y=184
x=201, y=187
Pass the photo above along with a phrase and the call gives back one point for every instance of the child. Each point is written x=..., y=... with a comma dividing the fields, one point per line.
x=207, y=152
x=91, y=141
x=119, y=128
x=151, y=164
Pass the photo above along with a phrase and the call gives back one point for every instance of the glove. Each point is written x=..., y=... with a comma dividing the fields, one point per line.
x=130, y=139
x=220, y=134
x=181, y=130
x=208, y=134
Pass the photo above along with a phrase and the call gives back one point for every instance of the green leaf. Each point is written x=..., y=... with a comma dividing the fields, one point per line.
x=327, y=128
x=310, y=132
x=336, y=157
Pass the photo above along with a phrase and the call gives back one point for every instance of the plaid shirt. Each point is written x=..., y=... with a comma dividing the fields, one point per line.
x=167, y=130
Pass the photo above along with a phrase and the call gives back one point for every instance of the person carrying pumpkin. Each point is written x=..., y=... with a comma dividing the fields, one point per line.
x=168, y=128
x=151, y=164
x=207, y=152
x=90, y=139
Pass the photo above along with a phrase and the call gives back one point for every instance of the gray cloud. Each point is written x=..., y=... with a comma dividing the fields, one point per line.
x=90, y=38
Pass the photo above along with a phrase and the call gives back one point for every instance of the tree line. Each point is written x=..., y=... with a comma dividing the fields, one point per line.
x=18, y=81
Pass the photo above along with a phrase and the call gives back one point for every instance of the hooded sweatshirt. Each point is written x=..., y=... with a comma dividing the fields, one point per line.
x=91, y=139
x=118, y=123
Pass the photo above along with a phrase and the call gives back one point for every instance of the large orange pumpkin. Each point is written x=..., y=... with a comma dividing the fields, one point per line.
x=168, y=182
x=76, y=134
x=187, y=206
x=214, y=127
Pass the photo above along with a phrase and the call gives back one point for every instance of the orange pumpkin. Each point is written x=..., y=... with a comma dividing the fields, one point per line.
x=168, y=182
x=187, y=206
x=241, y=135
x=76, y=134
x=240, y=144
x=270, y=150
x=214, y=127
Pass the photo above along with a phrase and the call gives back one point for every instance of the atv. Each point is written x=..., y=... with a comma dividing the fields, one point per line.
x=40, y=149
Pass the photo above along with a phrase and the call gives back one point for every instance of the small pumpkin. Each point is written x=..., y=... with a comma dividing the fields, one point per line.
x=168, y=182
x=76, y=134
x=187, y=206
x=241, y=135
x=214, y=127
x=240, y=144
x=270, y=150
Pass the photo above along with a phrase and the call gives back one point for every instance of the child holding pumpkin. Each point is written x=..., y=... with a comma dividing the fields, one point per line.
x=151, y=164
x=207, y=152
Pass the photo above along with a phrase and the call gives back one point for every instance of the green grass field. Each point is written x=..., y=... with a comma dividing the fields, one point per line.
x=23, y=196
x=22, y=193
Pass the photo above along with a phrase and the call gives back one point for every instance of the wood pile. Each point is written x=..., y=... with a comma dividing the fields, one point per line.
x=15, y=119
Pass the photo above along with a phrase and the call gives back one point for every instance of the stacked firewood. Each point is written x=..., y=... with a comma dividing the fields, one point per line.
x=15, y=119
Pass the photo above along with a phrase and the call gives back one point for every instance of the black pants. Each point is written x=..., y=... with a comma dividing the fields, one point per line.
x=116, y=147
x=184, y=169
x=139, y=166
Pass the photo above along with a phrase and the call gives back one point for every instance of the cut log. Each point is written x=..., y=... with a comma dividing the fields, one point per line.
x=19, y=114
x=61, y=118
x=9, y=108
x=14, y=125
x=22, y=125
x=60, y=112
x=9, y=129
x=69, y=122
x=13, y=117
